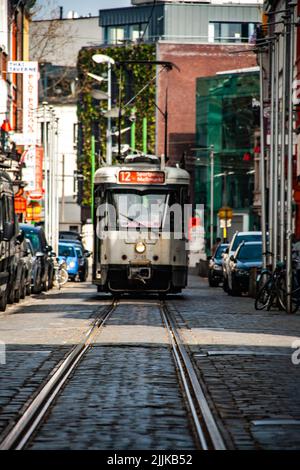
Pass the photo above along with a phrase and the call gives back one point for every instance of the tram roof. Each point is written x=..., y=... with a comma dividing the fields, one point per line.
x=173, y=175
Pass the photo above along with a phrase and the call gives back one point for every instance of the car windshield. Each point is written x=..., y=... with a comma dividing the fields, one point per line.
x=245, y=238
x=66, y=251
x=140, y=208
x=250, y=252
x=220, y=250
x=34, y=239
x=78, y=251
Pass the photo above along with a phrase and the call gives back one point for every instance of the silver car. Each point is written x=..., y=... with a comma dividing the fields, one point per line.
x=237, y=239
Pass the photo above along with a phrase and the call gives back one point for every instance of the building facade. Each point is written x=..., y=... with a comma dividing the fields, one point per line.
x=200, y=38
x=14, y=46
x=227, y=118
x=55, y=44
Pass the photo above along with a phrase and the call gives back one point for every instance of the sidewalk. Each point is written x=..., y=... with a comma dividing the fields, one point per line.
x=244, y=358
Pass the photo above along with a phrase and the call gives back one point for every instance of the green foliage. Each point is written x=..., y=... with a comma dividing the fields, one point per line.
x=134, y=78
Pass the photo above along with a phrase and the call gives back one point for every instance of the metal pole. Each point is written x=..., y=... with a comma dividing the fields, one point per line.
x=271, y=159
x=108, y=131
x=63, y=189
x=166, y=116
x=211, y=198
x=132, y=135
x=92, y=176
x=282, y=156
x=290, y=165
x=144, y=135
x=56, y=190
x=276, y=124
x=51, y=162
x=262, y=166
x=46, y=194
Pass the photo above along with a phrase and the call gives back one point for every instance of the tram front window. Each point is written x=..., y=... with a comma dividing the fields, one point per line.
x=140, y=209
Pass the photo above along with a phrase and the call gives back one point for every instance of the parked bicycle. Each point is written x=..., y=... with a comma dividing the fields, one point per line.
x=272, y=289
x=61, y=274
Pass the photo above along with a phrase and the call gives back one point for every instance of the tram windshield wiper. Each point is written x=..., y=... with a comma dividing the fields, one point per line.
x=134, y=220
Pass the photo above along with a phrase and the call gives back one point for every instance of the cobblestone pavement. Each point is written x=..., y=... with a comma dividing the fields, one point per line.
x=244, y=359
x=36, y=334
x=125, y=393
x=127, y=380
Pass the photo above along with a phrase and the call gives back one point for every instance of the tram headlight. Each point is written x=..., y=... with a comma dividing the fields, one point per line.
x=71, y=264
x=140, y=247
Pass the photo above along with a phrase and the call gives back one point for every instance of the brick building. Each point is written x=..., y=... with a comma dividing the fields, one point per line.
x=194, y=61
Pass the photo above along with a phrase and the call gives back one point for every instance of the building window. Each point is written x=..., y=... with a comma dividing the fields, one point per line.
x=231, y=32
x=115, y=34
x=131, y=32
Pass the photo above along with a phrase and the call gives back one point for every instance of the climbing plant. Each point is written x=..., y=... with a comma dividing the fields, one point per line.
x=90, y=112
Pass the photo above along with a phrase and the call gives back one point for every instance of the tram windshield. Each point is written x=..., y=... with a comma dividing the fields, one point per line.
x=140, y=209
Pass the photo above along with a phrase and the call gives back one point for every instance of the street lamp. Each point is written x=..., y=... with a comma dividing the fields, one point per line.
x=105, y=59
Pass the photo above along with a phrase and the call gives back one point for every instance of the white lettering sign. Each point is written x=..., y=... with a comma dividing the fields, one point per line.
x=30, y=105
x=22, y=66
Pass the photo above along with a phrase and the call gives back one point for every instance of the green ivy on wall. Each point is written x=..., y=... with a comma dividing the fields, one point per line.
x=134, y=78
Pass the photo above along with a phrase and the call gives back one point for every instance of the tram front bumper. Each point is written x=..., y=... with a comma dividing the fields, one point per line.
x=145, y=277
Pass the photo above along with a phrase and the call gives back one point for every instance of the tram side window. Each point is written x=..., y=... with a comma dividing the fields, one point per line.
x=9, y=209
x=2, y=213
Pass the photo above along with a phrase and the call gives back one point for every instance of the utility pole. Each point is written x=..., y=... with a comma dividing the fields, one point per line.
x=63, y=189
x=276, y=154
x=291, y=39
x=92, y=175
x=262, y=164
x=283, y=147
x=45, y=145
x=271, y=155
x=211, y=198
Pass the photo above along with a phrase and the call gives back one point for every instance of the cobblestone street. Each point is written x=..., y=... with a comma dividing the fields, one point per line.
x=125, y=392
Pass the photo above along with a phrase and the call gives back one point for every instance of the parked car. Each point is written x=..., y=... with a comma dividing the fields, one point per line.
x=43, y=251
x=215, y=269
x=15, y=290
x=71, y=253
x=27, y=258
x=247, y=256
x=70, y=235
x=36, y=284
x=237, y=239
x=83, y=254
x=9, y=242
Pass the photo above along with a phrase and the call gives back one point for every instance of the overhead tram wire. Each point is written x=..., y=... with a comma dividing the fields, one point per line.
x=148, y=22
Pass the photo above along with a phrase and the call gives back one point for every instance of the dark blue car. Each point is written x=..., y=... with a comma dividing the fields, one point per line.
x=215, y=270
x=247, y=256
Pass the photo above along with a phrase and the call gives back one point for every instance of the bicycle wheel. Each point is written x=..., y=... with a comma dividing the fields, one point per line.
x=63, y=276
x=282, y=295
x=263, y=296
x=262, y=279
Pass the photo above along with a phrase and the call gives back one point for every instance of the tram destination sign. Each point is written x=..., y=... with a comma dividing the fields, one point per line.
x=141, y=177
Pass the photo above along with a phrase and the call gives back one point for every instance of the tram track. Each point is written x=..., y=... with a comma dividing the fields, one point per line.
x=205, y=425
x=205, y=428
x=24, y=428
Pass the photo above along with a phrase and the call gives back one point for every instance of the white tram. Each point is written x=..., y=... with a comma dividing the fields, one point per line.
x=139, y=230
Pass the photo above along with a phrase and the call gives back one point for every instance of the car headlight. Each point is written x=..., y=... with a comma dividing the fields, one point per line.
x=140, y=247
x=71, y=264
x=242, y=272
x=217, y=267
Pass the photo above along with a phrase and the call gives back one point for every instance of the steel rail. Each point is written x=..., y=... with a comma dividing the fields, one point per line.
x=23, y=429
x=206, y=428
